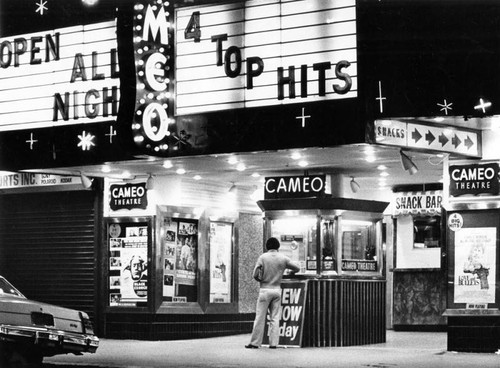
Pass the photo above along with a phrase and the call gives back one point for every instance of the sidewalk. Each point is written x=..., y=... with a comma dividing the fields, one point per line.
x=402, y=349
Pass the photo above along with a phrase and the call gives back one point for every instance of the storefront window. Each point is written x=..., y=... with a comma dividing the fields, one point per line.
x=179, y=240
x=221, y=249
x=359, y=246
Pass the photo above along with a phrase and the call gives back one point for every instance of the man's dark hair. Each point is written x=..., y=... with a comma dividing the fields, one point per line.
x=272, y=243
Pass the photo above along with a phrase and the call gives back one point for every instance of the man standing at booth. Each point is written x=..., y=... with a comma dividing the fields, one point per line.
x=268, y=271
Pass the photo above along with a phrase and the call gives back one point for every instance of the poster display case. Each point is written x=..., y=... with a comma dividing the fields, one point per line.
x=195, y=259
x=221, y=263
x=473, y=259
x=473, y=248
x=129, y=248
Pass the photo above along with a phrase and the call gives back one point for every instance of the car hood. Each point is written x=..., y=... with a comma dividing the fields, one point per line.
x=18, y=311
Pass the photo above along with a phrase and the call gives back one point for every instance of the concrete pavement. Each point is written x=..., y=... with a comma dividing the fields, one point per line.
x=402, y=349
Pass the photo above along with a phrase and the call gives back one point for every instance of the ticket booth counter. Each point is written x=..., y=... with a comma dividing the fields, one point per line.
x=338, y=244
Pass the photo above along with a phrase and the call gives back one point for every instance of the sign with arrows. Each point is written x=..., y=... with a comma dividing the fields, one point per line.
x=461, y=141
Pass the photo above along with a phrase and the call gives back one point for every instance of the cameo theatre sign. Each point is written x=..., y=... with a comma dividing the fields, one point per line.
x=128, y=196
x=474, y=179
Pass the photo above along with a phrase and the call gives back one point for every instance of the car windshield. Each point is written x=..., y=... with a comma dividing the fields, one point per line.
x=7, y=288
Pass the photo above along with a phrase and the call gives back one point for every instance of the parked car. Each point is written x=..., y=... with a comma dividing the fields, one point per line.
x=31, y=330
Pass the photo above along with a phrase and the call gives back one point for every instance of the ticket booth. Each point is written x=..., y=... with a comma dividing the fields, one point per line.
x=338, y=244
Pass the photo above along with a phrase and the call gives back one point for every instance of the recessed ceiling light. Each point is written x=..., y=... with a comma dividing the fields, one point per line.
x=167, y=164
x=232, y=160
x=384, y=173
x=180, y=171
x=241, y=167
x=255, y=175
x=303, y=163
x=126, y=174
x=106, y=169
x=382, y=167
x=197, y=177
x=370, y=158
x=296, y=155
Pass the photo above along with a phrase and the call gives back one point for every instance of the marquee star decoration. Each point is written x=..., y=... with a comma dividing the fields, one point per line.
x=41, y=7
x=86, y=141
x=445, y=107
x=182, y=139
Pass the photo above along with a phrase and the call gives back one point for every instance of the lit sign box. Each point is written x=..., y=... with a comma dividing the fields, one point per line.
x=261, y=53
x=474, y=179
x=60, y=77
x=294, y=186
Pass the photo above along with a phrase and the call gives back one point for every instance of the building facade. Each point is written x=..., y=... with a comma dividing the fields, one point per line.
x=100, y=107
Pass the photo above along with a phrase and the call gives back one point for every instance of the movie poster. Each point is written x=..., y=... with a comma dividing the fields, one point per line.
x=220, y=262
x=475, y=265
x=187, y=253
x=169, y=234
x=179, y=239
x=128, y=263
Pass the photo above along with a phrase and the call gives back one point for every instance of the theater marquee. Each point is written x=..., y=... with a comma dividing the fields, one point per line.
x=61, y=77
x=260, y=53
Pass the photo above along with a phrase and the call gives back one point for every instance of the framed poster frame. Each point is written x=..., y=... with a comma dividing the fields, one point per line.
x=469, y=286
x=129, y=272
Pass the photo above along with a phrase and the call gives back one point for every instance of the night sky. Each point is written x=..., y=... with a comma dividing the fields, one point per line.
x=25, y=16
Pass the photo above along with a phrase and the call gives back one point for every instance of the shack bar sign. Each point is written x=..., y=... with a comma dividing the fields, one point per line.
x=294, y=186
x=423, y=203
x=474, y=179
x=128, y=196
x=268, y=52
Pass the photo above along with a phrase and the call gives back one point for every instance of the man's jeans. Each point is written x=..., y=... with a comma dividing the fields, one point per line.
x=268, y=299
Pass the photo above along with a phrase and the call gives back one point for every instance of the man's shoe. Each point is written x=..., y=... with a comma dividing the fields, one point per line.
x=250, y=346
x=272, y=347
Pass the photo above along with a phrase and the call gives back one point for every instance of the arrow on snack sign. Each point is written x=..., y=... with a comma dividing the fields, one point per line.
x=443, y=140
x=416, y=135
x=429, y=137
x=456, y=141
x=468, y=142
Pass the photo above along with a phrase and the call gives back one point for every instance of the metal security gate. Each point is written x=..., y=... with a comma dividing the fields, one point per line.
x=47, y=246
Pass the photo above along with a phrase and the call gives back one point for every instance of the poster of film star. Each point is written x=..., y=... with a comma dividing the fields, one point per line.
x=475, y=265
x=128, y=267
x=220, y=262
x=186, y=252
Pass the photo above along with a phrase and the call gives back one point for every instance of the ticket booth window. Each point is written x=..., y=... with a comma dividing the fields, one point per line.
x=359, y=245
